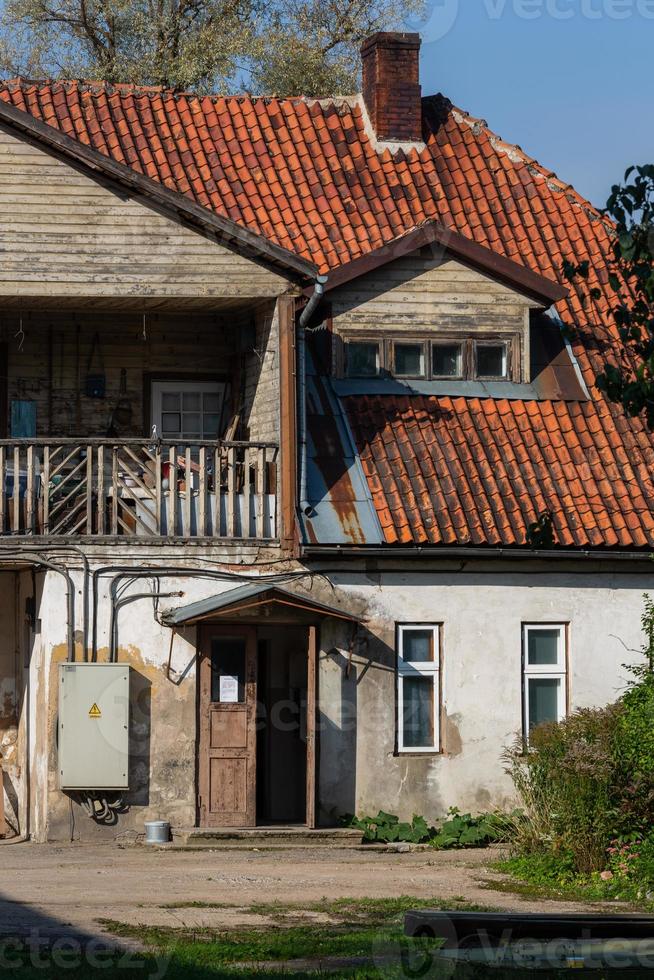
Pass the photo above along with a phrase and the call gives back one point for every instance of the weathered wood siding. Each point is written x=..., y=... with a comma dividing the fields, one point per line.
x=423, y=293
x=49, y=365
x=65, y=234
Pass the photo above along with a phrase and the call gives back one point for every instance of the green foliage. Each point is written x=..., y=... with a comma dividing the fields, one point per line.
x=282, y=47
x=628, y=379
x=459, y=830
x=590, y=779
x=386, y=828
x=464, y=830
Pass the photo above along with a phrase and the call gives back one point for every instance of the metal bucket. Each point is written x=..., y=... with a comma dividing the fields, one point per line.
x=157, y=831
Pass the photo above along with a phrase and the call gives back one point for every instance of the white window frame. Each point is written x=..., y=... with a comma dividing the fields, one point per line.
x=431, y=669
x=558, y=671
x=159, y=388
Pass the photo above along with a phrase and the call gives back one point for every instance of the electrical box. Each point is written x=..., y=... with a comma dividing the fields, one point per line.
x=93, y=726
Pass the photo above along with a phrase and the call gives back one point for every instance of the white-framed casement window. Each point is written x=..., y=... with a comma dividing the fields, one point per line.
x=187, y=410
x=544, y=673
x=418, y=687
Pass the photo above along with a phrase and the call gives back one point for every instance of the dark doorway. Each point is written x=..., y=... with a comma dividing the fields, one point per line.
x=282, y=724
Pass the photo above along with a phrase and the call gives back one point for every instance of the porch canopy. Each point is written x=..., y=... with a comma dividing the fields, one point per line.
x=260, y=601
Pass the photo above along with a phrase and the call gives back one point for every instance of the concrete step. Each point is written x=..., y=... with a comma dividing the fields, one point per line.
x=265, y=837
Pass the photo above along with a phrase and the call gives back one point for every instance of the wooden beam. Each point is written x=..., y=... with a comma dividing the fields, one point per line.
x=287, y=494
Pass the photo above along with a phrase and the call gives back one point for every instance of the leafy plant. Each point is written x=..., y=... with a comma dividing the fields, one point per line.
x=628, y=378
x=459, y=830
x=464, y=830
x=386, y=828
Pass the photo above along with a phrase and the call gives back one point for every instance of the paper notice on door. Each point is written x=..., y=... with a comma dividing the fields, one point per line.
x=228, y=689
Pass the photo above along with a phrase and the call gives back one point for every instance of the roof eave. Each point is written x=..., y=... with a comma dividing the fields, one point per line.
x=219, y=228
x=545, y=291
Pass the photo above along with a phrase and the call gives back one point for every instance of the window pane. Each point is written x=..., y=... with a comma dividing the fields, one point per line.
x=169, y=401
x=491, y=360
x=192, y=422
x=228, y=669
x=362, y=360
x=543, y=694
x=418, y=712
x=211, y=403
x=446, y=360
x=410, y=360
x=542, y=647
x=418, y=646
x=171, y=423
x=191, y=401
x=210, y=425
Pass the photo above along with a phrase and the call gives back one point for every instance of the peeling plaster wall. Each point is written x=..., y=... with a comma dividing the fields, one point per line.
x=481, y=610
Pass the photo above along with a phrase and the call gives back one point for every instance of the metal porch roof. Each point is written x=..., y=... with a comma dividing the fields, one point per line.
x=245, y=597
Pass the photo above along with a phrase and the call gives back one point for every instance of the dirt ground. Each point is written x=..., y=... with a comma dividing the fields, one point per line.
x=67, y=890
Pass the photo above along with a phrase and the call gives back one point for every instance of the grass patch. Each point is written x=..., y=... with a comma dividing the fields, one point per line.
x=540, y=876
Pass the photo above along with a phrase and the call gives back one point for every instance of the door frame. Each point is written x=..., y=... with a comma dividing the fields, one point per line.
x=205, y=631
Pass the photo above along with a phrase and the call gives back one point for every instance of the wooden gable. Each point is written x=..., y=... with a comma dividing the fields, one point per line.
x=66, y=235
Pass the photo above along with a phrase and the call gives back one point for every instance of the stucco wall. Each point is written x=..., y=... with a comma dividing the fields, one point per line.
x=482, y=614
x=481, y=611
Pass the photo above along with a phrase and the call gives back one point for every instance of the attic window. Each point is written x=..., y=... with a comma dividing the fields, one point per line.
x=491, y=360
x=363, y=360
x=482, y=358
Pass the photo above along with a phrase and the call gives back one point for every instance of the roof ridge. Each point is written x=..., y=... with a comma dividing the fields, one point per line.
x=517, y=155
x=102, y=85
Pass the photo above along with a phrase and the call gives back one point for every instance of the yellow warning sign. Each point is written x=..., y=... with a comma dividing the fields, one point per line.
x=95, y=711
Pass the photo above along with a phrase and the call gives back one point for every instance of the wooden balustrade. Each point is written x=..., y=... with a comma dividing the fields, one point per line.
x=108, y=488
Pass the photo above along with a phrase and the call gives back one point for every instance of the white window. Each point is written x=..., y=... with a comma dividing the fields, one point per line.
x=187, y=410
x=544, y=667
x=418, y=688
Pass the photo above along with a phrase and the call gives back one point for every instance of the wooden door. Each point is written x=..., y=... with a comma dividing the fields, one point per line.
x=227, y=749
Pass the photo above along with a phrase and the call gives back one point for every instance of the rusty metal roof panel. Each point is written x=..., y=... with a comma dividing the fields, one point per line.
x=339, y=507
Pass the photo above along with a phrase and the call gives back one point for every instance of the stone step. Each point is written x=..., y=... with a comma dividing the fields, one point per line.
x=265, y=837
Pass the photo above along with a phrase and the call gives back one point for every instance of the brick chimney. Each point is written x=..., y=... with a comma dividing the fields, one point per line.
x=391, y=85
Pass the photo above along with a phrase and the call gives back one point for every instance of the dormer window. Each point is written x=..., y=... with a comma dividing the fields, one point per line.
x=488, y=357
x=408, y=360
x=491, y=360
x=447, y=360
x=363, y=359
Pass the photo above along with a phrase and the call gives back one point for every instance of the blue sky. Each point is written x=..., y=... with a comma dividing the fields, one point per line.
x=575, y=92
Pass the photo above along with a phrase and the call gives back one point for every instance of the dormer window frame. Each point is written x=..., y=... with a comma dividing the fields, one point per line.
x=469, y=343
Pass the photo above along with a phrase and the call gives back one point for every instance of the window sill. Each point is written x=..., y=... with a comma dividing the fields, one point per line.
x=425, y=754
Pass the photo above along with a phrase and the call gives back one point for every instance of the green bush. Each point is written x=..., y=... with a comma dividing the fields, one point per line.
x=589, y=780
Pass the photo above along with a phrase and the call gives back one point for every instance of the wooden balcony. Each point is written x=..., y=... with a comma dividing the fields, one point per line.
x=99, y=488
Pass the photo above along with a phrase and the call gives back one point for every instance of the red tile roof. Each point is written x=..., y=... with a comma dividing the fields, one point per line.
x=305, y=174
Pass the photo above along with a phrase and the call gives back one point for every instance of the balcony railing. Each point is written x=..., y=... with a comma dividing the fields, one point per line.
x=101, y=488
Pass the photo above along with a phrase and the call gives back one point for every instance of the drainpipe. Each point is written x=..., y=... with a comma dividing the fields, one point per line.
x=305, y=316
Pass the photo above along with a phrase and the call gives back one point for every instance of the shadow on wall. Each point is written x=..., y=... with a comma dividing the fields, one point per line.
x=351, y=725
x=140, y=740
